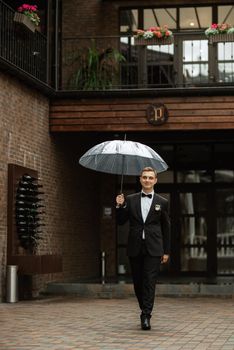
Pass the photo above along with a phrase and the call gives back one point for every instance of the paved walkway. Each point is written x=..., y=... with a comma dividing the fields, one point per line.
x=113, y=324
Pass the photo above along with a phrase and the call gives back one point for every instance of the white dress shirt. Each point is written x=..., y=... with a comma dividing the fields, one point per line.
x=145, y=207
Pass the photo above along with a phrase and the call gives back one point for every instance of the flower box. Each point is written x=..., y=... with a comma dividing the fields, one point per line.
x=221, y=38
x=25, y=21
x=154, y=41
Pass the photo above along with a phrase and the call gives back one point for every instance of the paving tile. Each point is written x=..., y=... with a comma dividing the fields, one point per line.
x=72, y=323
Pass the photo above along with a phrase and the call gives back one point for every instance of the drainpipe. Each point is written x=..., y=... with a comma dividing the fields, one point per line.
x=103, y=267
x=56, y=46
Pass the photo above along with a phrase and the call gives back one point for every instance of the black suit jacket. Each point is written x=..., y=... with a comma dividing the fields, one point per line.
x=156, y=226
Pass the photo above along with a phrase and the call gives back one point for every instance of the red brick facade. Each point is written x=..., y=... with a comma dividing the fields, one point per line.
x=72, y=221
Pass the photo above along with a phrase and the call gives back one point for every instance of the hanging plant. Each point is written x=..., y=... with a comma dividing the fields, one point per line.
x=27, y=15
x=154, y=36
x=220, y=32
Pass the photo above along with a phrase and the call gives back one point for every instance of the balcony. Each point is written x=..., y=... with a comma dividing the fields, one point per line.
x=20, y=48
x=115, y=63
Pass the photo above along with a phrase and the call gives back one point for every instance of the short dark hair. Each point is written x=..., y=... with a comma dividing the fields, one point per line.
x=148, y=168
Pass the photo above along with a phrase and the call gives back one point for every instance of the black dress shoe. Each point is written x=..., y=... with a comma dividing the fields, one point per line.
x=145, y=323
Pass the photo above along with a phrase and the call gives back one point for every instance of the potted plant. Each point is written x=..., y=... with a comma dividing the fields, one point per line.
x=94, y=69
x=27, y=15
x=154, y=36
x=220, y=32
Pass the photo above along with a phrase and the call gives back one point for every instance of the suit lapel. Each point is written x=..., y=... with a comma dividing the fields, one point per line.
x=138, y=206
x=154, y=202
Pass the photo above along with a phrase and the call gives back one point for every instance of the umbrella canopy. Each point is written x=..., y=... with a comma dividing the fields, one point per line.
x=122, y=157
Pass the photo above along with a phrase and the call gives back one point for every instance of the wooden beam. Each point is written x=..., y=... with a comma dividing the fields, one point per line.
x=119, y=114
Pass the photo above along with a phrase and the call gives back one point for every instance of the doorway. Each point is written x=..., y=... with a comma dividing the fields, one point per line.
x=199, y=186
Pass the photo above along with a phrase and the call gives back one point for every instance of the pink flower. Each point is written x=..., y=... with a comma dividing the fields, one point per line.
x=31, y=12
x=27, y=7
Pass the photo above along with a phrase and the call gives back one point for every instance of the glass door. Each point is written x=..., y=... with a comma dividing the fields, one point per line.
x=193, y=226
x=225, y=230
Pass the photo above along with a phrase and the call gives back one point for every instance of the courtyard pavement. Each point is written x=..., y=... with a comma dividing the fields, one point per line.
x=64, y=323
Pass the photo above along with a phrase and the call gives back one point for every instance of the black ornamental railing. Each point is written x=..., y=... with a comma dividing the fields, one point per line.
x=120, y=62
x=21, y=47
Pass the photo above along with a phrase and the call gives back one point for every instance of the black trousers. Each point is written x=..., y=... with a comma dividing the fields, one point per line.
x=145, y=269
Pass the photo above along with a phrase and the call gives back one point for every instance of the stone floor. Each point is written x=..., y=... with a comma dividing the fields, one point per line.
x=63, y=323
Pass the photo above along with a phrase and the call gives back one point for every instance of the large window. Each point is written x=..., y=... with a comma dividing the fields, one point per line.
x=190, y=61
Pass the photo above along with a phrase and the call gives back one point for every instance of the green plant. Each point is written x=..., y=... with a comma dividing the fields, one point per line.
x=95, y=69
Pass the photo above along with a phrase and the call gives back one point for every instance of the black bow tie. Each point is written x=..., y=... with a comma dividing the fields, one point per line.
x=146, y=195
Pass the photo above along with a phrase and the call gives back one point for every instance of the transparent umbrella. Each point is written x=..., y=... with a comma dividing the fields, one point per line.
x=122, y=157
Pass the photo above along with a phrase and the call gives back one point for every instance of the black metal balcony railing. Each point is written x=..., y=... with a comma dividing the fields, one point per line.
x=116, y=63
x=20, y=47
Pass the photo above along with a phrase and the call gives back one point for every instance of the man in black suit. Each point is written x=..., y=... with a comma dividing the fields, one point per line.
x=148, y=240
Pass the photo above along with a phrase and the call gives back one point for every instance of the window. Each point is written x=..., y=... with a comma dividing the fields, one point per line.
x=195, y=61
x=190, y=61
x=195, y=17
x=160, y=17
x=226, y=14
x=128, y=21
x=225, y=62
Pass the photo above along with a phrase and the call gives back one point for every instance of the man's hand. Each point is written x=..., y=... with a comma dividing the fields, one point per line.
x=120, y=200
x=164, y=259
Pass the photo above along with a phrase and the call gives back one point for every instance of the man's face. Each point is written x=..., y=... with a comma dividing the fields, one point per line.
x=148, y=180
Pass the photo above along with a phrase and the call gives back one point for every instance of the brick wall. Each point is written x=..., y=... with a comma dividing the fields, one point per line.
x=72, y=220
x=89, y=18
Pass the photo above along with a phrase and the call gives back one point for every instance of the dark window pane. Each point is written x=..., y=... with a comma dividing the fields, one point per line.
x=225, y=201
x=194, y=156
x=224, y=176
x=224, y=156
x=194, y=176
x=193, y=203
x=193, y=239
